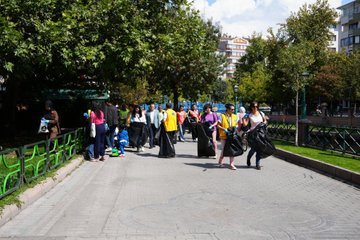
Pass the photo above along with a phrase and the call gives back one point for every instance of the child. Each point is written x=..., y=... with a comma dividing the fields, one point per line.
x=123, y=139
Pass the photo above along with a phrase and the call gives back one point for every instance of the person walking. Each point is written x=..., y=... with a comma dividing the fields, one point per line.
x=137, y=128
x=227, y=120
x=161, y=112
x=112, y=120
x=210, y=121
x=181, y=116
x=255, y=118
x=241, y=115
x=194, y=118
x=52, y=119
x=153, y=123
x=167, y=148
x=123, y=114
x=97, y=117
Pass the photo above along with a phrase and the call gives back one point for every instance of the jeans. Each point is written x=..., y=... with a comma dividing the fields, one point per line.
x=251, y=153
x=122, y=147
x=182, y=132
x=90, y=150
x=110, y=136
x=99, y=147
x=152, y=131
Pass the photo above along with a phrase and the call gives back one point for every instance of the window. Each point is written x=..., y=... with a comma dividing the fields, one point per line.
x=353, y=26
x=333, y=38
x=357, y=39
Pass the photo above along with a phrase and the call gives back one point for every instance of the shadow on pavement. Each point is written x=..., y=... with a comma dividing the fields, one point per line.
x=204, y=165
x=186, y=156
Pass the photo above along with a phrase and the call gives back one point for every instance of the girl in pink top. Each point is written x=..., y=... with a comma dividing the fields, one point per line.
x=97, y=117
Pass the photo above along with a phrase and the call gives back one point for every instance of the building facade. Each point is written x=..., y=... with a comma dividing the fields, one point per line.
x=233, y=48
x=349, y=32
x=334, y=41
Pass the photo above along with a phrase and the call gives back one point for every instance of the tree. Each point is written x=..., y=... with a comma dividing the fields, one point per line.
x=311, y=23
x=294, y=61
x=186, y=63
x=251, y=74
x=350, y=73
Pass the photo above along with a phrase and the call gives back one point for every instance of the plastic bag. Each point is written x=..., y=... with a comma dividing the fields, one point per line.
x=43, y=128
x=92, y=130
x=259, y=141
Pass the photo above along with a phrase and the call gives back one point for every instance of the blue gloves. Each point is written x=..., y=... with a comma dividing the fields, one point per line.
x=86, y=115
x=45, y=120
x=226, y=130
x=211, y=127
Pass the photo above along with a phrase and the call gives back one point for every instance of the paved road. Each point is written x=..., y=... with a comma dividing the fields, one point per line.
x=144, y=197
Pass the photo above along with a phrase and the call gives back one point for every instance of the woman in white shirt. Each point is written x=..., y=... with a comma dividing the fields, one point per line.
x=137, y=129
x=255, y=117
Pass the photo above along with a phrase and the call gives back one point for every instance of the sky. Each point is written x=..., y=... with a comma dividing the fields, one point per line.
x=244, y=17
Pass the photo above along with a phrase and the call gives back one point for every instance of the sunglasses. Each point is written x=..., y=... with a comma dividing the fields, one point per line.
x=232, y=109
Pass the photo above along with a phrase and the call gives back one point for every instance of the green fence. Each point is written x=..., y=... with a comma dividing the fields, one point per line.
x=24, y=164
x=344, y=140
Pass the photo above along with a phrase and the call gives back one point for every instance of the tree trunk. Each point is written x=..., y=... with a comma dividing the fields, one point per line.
x=297, y=119
x=176, y=99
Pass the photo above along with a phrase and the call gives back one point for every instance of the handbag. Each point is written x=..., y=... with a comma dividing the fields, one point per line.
x=92, y=130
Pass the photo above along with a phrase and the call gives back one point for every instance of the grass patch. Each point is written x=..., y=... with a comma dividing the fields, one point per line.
x=345, y=161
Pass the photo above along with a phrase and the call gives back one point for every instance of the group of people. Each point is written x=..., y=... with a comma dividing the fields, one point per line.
x=133, y=126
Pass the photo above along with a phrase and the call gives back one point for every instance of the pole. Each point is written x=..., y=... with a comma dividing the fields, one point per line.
x=236, y=108
x=304, y=113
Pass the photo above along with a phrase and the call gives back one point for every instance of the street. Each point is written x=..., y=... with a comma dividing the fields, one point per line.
x=145, y=197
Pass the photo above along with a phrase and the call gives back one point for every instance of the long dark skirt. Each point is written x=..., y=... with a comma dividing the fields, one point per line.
x=166, y=143
x=137, y=133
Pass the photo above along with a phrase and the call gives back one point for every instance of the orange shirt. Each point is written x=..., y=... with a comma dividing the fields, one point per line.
x=181, y=116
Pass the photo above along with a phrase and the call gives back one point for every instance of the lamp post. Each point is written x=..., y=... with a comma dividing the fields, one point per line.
x=304, y=113
x=236, y=89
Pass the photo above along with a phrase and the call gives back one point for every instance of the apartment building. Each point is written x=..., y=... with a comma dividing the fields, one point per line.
x=349, y=32
x=233, y=48
x=334, y=41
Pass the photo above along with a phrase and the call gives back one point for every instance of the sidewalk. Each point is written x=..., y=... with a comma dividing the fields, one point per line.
x=145, y=197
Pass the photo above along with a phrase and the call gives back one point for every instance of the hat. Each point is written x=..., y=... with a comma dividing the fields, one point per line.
x=242, y=110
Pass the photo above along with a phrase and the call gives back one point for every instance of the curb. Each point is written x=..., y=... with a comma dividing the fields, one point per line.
x=32, y=194
x=335, y=171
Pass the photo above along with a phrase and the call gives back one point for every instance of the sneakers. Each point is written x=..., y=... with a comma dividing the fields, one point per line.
x=258, y=167
x=109, y=149
x=141, y=149
x=232, y=167
x=122, y=155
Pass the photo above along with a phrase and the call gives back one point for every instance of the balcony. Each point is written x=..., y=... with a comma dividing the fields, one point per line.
x=354, y=32
x=351, y=18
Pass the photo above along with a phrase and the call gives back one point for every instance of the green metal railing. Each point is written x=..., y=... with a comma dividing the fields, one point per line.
x=26, y=163
x=344, y=140
x=282, y=131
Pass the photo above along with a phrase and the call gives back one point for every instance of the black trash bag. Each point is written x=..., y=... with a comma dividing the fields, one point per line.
x=259, y=141
x=193, y=127
x=167, y=149
x=233, y=145
x=136, y=132
x=205, y=145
